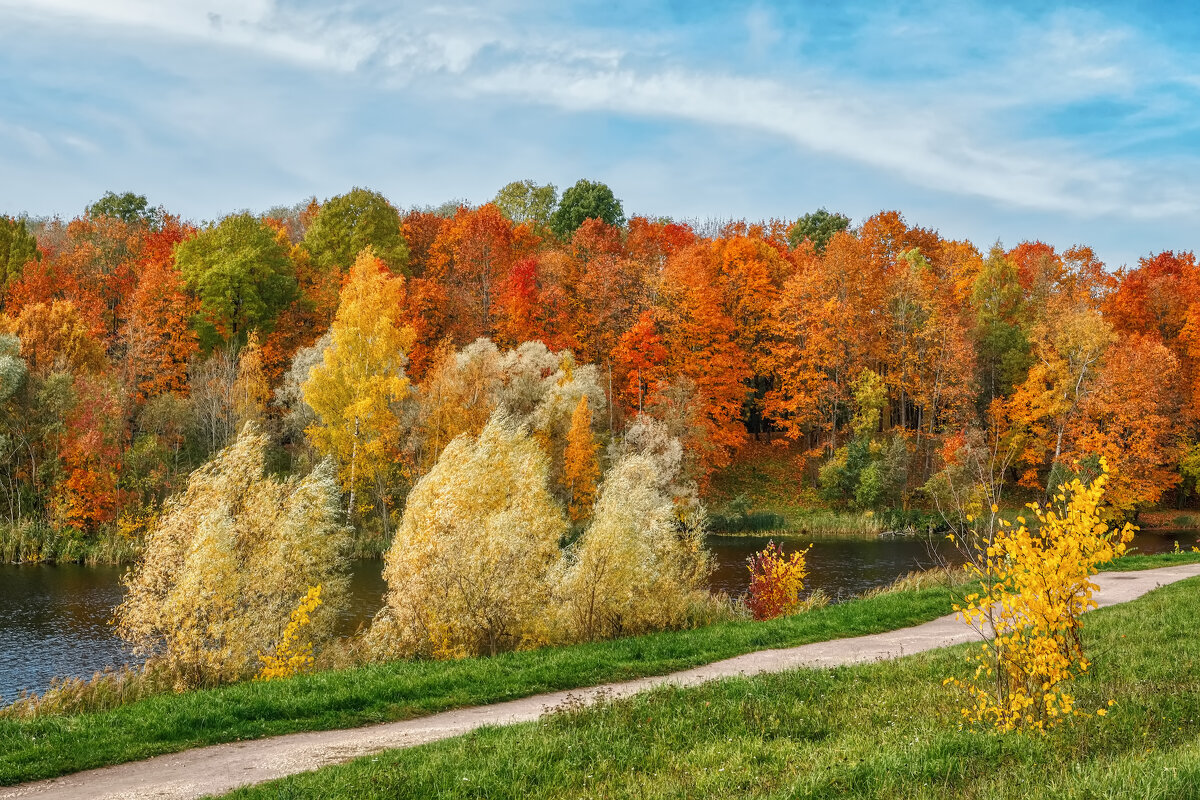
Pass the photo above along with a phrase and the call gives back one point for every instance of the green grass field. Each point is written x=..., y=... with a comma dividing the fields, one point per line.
x=886, y=730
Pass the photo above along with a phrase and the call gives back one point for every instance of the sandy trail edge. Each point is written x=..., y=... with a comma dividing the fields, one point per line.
x=222, y=768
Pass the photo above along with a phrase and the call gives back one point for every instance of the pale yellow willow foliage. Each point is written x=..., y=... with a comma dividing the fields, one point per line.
x=467, y=571
x=1037, y=584
x=636, y=568
x=292, y=654
x=227, y=562
x=361, y=377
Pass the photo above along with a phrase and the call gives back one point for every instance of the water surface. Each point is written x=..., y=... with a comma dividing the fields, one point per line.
x=54, y=618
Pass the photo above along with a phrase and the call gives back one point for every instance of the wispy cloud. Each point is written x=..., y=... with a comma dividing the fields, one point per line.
x=967, y=101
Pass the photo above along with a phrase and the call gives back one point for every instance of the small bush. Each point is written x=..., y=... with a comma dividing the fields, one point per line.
x=776, y=581
x=292, y=655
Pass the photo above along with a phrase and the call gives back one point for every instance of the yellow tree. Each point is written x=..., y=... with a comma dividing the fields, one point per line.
x=581, y=468
x=361, y=376
x=1068, y=347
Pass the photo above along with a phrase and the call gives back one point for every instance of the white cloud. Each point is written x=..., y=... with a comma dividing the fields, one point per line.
x=256, y=25
x=959, y=134
x=931, y=145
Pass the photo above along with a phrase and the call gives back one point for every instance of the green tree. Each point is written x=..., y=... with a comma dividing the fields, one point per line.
x=128, y=207
x=583, y=201
x=350, y=222
x=866, y=471
x=17, y=248
x=818, y=228
x=242, y=273
x=1000, y=338
x=526, y=201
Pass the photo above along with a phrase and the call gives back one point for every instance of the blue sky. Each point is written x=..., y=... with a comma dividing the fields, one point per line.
x=987, y=121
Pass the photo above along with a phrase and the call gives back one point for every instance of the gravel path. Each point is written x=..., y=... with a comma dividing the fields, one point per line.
x=221, y=768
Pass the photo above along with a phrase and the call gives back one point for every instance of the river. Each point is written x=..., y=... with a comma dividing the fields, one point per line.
x=54, y=618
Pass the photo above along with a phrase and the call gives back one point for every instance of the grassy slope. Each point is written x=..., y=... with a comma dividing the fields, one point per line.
x=52, y=745
x=886, y=730
x=57, y=745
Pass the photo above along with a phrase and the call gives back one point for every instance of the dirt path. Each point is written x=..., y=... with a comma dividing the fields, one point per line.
x=221, y=768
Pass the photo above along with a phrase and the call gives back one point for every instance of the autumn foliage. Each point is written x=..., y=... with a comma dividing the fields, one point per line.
x=581, y=467
x=776, y=581
x=229, y=560
x=373, y=334
x=1037, y=582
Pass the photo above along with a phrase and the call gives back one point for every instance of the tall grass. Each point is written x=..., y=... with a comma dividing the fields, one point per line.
x=822, y=522
x=917, y=580
x=752, y=522
x=105, y=690
x=33, y=541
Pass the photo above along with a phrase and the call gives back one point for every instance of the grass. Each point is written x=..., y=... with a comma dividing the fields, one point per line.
x=33, y=541
x=884, y=730
x=47, y=746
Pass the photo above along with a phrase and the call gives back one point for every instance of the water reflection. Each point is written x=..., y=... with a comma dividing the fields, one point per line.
x=840, y=567
x=54, y=619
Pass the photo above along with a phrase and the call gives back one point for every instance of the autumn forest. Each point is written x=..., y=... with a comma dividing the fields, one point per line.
x=137, y=344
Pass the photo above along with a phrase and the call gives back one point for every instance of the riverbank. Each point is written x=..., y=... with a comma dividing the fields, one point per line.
x=1170, y=518
x=53, y=745
x=880, y=730
x=40, y=543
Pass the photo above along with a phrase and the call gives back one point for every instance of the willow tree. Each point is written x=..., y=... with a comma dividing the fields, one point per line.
x=227, y=562
x=468, y=570
x=636, y=568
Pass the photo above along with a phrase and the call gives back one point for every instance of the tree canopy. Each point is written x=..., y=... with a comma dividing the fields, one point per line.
x=348, y=223
x=242, y=273
x=583, y=201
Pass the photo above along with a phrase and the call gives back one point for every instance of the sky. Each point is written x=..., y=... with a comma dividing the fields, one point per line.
x=987, y=121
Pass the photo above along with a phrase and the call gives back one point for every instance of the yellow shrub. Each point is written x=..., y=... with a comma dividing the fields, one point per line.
x=291, y=655
x=1037, y=584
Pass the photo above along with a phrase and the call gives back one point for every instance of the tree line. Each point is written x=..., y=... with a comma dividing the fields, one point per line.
x=136, y=344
